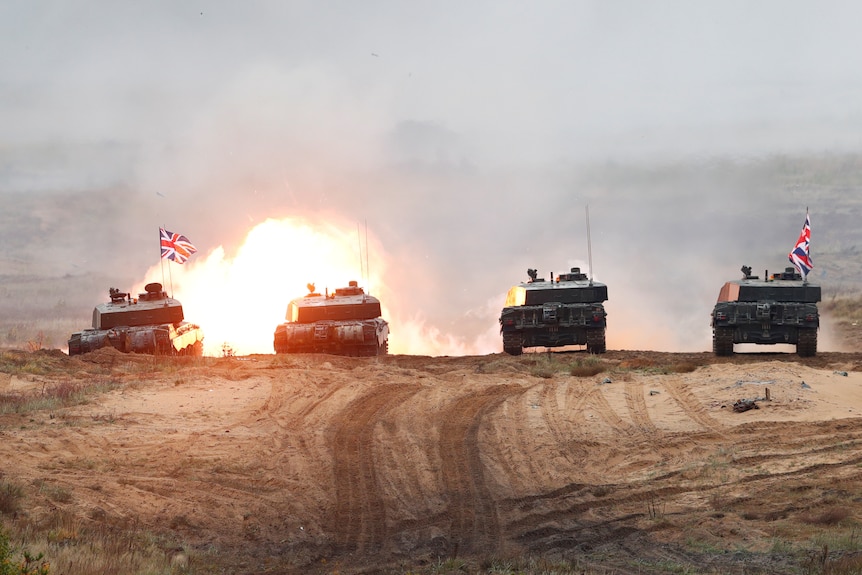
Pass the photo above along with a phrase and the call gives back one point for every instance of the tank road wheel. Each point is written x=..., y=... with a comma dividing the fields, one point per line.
x=596, y=341
x=806, y=343
x=722, y=341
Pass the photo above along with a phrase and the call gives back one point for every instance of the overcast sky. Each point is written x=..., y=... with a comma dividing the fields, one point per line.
x=504, y=80
x=469, y=135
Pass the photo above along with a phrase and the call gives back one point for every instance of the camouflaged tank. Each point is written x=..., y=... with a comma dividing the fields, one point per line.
x=567, y=310
x=781, y=308
x=344, y=322
x=152, y=323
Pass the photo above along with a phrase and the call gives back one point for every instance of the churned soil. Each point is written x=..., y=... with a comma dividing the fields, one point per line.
x=319, y=463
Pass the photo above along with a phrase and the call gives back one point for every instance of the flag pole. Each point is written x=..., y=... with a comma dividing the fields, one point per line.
x=161, y=259
x=589, y=244
x=170, y=275
x=807, y=221
x=367, y=271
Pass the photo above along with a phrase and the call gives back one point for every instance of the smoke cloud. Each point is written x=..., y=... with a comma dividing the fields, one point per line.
x=469, y=139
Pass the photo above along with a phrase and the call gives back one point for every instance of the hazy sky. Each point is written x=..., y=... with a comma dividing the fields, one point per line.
x=505, y=80
x=469, y=135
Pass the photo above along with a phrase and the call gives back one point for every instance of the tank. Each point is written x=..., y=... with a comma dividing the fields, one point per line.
x=151, y=323
x=781, y=308
x=344, y=322
x=567, y=310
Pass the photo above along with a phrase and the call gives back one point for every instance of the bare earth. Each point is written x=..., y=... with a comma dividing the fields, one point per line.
x=322, y=463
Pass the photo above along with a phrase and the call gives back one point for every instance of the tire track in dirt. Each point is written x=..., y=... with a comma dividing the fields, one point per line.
x=597, y=400
x=552, y=529
x=561, y=419
x=288, y=435
x=551, y=518
x=795, y=434
x=507, y=456
x=636, y=403
x=565, y=418
x=358, y=522
x=691, y=405
x=583, y=536
x=273, y=406
x=474, y=522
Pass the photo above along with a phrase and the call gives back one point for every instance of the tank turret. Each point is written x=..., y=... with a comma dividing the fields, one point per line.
x=346, y=321
x=780, y=308
x=566, y=310
x=151, y=323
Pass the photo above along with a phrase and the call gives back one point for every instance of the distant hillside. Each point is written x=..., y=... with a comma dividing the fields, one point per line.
x=666, y=235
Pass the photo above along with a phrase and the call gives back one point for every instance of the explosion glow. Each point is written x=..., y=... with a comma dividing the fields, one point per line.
x=239, y=300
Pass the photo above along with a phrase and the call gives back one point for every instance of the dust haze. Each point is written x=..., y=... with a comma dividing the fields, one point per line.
x=468, y=140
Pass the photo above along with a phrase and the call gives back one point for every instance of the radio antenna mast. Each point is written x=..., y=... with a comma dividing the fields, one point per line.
x=589, y=245
x=367, y=272
x=359, y=243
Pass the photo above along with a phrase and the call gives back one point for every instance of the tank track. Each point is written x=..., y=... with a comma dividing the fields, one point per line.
x=513, y=344
x=806, y=342
x=281, y=345
x=596, y=341
x=722, y=341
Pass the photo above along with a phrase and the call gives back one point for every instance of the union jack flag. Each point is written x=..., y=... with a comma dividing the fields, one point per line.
x=800, y=256
x=175, y=247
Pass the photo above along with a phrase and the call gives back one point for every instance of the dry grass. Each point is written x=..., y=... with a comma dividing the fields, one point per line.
x=545, y=371
x=851, y=565
x=545, y=365
x=18, y=362
x=51, y=396
x=550, y=364
x=647, y=365
x=10, y=497
x=588, y=367
x=832, y=516
x=54, y=492
x=108, y=546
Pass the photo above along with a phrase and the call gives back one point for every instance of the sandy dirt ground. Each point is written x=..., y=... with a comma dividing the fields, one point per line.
x=322, y=463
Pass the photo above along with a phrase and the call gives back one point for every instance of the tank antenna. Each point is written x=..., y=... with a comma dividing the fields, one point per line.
x=589, y=244
x=368, y=273
x=359, y=242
